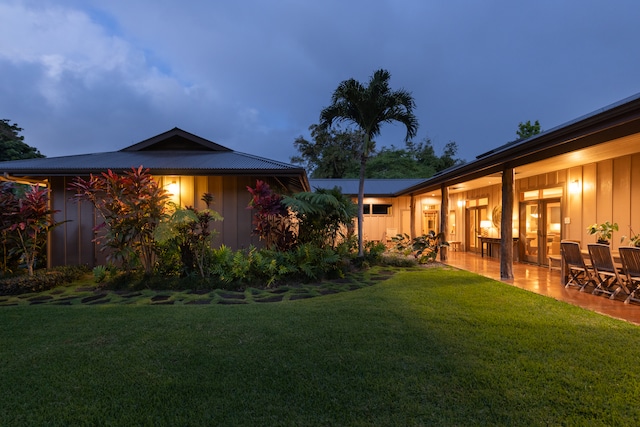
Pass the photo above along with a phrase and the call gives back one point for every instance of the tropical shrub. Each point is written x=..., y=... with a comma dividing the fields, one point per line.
x=424, y=248
x=188, y=232
x=41, y=280
x=325, y=217
x=272, y=221
x=28, y=224
x=132, y=206
x=9, y=201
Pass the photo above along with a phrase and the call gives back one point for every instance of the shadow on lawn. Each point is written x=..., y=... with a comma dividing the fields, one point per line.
x=85, y=293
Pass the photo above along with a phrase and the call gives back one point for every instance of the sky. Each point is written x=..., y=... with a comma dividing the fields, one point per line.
x=85, y=76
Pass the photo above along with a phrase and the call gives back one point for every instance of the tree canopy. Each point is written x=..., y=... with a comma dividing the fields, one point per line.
x=333, y=153
x=12, y=145
x=527, y=130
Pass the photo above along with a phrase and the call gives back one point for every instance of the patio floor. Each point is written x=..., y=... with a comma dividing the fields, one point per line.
x=544, y=282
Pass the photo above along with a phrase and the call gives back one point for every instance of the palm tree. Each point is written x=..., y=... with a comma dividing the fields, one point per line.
x=368, y=107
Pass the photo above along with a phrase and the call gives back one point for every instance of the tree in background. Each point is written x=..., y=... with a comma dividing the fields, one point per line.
x=527, y=130
x=368, y=107
x=415, y=161
x=332, y=154
x=12, y=146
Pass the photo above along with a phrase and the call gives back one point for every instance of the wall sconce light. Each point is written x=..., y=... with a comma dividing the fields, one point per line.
x=174, y=187
x=460, y=203
x=574, y=187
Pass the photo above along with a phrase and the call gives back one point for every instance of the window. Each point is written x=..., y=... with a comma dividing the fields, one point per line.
x=377, y=209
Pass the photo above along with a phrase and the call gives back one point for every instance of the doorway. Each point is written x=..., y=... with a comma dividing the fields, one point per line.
x=474, y=216
x=541, y=230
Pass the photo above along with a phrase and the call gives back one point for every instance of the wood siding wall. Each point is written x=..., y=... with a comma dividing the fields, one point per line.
x=71, y=243
x=608, y=190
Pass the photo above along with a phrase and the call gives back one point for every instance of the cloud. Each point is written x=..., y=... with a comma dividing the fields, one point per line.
x=89, y=75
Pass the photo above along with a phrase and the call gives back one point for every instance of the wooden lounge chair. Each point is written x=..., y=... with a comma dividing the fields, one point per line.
x=608, y=278
x=578, y=273
x=630, y=257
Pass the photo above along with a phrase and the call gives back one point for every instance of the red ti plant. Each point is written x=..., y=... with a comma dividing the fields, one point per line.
x=31, y=222
x=272, y=222
x=132, y=206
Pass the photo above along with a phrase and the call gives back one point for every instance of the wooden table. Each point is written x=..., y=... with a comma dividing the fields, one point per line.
x=493, y=241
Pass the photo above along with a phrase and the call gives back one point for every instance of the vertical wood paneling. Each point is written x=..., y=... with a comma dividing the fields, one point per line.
x=188, y=196
x=57, y=244
x=635, y=193
x=213, y=185
x=573, y=210
x=589, y=184
x=621, y=196
x=604, y=191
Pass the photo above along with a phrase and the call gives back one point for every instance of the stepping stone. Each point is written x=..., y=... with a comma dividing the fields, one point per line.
x=160, y=298
x=198, y=302
x=300, y=296
x=40, y=298
x=274, y=298
x=232, y=296
x=92, y=298
x=231, y=302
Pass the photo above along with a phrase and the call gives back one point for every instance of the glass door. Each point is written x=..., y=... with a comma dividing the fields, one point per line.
x=529, y=220
x=540, y=220
x=474, y=231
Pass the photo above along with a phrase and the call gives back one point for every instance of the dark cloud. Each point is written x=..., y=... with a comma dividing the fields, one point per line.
x=96, y=76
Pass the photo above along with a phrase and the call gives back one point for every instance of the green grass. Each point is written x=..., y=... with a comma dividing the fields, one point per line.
x=426, y=347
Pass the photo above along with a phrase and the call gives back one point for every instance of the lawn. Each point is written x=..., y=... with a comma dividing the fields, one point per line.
x=425, y=347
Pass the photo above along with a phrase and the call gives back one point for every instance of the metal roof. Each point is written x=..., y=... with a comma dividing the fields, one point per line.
x=372, y=187
x=175, y=152
x=605, y=124
x=159, y=162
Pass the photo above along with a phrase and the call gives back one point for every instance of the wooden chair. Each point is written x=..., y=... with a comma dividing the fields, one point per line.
x=630, y=258
x=606, y=273
x=579, y=274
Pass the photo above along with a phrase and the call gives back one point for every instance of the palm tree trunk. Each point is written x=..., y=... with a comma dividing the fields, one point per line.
x=363, y=164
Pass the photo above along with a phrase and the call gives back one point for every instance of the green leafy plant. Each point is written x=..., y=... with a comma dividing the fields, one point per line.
x=188, y=231
x=272, y=222
x=99, y=273
x=634, y=239
x=424, y=248
x=604, y=231
x=325, y=217
x=132, y=206
x=31, y=222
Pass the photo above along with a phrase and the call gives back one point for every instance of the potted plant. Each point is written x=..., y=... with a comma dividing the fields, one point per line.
x=603, y=231
x=634, y=240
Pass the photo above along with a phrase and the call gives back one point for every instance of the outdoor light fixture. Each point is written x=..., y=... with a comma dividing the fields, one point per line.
x=174, y=187
x=574, y=187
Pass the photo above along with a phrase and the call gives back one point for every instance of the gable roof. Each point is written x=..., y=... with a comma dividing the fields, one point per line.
x=175, y=152
x=176, y=139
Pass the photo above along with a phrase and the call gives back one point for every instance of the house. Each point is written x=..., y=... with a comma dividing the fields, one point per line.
x=186, y=164
x=386, y=211
x=514, y=202
x=527, y=195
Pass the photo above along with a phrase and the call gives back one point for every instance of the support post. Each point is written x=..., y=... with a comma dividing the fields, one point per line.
x=506, y=224
x=412, y=228
x=444, y=219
